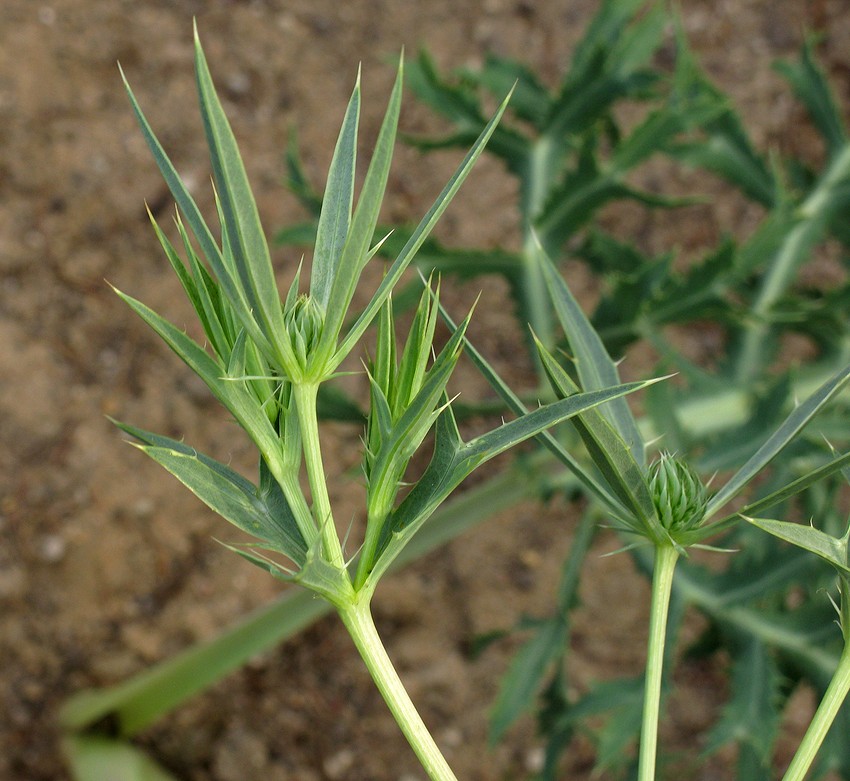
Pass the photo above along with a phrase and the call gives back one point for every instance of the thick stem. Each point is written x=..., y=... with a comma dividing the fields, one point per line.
x=822, y=721
x=662, y=583
x=305, y=402
x=358, y=620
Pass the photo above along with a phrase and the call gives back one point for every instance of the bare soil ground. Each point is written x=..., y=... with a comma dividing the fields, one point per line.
x=106, y=564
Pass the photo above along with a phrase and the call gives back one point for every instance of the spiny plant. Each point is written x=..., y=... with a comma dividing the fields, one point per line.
x=711, y=421
x=268, y=355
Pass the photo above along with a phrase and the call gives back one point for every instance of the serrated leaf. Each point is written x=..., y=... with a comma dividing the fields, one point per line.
x=751, y=717
x=812, y=88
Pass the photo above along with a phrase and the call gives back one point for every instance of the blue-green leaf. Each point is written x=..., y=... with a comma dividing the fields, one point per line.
x=335, y=215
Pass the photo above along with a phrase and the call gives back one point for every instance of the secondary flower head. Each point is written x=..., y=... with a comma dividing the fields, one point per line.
x=678, y=494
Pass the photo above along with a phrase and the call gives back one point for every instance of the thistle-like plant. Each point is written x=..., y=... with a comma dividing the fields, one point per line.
x=664, y=505
x=267, y=358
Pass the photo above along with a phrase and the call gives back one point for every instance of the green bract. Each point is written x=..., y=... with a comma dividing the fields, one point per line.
x=678, y=494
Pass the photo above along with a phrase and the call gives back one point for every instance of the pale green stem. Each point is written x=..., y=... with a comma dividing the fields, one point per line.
x=305, y=402
x=822, y=721
x=358, y=620
x=662, y=583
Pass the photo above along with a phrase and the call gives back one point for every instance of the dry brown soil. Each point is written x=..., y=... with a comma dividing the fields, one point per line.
x=106, y=564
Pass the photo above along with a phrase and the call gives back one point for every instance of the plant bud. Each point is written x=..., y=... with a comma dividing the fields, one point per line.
x=678, y=494
x=304, y=321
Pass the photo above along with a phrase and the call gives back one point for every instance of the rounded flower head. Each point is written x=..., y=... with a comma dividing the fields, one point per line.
x=304, y=321
x=678, y=494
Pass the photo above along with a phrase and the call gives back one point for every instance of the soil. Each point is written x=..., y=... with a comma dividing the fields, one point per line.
x=106, y=564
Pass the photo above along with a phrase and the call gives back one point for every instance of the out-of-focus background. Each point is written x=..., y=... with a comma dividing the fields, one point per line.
x=108, y=565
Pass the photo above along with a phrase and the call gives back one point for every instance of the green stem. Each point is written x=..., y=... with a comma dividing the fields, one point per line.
x=305, y=403
x=358, y=620
x=662, y=583
x=822, y=721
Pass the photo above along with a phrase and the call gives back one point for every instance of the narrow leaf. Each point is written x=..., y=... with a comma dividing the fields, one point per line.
x=595, y=367
x=830, y=549
x=611, y=455
x=525, y=675
x=244, y=233
x=355, y=251
x=417, y=238
x=798, y=418
x=336, y=205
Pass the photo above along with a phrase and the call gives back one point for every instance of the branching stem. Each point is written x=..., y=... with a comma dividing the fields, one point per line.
x=835, y=694
x=662, y=583
x=305, y=402
x=358, y=620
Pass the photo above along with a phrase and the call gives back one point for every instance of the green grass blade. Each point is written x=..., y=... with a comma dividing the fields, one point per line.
x=335, y=215
x=417, y=238
x=595, y=367
x=244, y=233
x=798, y=418
x=98, y=758
x=138, y=702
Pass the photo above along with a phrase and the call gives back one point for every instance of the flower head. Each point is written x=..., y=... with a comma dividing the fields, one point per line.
x=678, y=494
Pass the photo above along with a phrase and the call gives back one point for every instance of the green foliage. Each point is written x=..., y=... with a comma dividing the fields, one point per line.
x=267, y=360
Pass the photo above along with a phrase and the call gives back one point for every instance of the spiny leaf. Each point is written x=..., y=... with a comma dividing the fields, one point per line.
x=355, y=251
x=611, y=455
x=595, y=367
x=335, y=215
x=830, y=549
x=417, y=238
x=244, y=233
x=798, y=418
x=226, y=492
